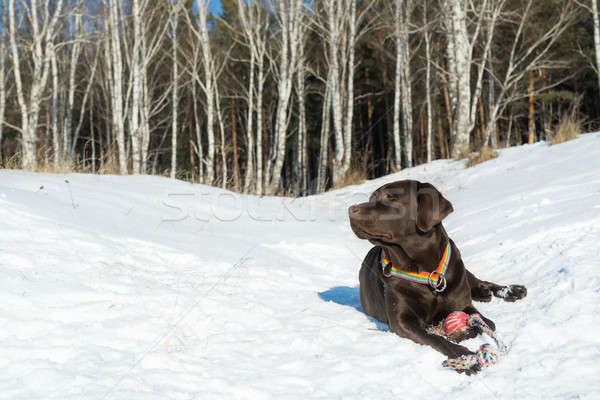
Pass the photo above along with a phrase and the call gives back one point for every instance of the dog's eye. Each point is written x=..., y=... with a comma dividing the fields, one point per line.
x=387, y=196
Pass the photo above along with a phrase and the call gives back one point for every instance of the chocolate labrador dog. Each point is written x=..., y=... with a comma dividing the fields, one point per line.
x=414, y=276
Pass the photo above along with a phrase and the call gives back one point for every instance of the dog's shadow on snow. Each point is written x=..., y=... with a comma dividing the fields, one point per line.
x=350, y=297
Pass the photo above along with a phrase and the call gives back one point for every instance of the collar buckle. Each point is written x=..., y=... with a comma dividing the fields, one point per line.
x=440, y=286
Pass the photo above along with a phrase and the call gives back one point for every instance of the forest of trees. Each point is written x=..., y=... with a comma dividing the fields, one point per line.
x=287, y=96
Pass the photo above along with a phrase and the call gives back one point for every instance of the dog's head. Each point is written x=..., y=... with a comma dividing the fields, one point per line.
x=399, y=213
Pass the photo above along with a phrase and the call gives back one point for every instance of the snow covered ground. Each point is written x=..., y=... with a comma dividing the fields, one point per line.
x=142, y=287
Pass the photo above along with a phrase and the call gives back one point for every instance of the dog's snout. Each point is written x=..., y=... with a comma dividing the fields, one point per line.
x=354, y=210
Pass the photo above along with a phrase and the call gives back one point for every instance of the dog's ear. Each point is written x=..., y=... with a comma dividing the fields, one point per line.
x=432, y=207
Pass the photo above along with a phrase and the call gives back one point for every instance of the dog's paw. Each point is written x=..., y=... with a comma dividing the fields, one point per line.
x=511, y=293
x=471, y=371
x=459, y=351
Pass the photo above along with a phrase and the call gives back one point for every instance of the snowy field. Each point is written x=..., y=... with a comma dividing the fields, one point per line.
x=142, y=287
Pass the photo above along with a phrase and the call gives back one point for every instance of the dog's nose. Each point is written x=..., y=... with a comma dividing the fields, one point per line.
x=354, y=210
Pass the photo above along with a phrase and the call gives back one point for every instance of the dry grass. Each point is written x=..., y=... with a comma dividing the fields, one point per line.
x=354, y=176
x=464, y=152
x=485, y=153
x=109, y=164
x=568, y=127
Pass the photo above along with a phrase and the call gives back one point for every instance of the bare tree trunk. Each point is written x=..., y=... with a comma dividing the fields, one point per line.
x=397, y=85
x=41, y=47
x=531, y=135
x=55, y=91
x=3, y=55
x=68, y=142
x=491, y=133
x=340, y=33
x=527, y=56
x=427, y=35
x=255, y=26
x=136, y=94
x=596, y=20
x=349, y=116
x=224, y=176
x=236, y=171
x=174, y=99
x=459, y=63
x=117, y=93
x=324, y=144
x=207, y=84
x=405, y=78
x=84, y=102
x=198, y=149
x=289, y=15
x=250, y=173
x=259, y=127
x=300, y=165
x=92, y=136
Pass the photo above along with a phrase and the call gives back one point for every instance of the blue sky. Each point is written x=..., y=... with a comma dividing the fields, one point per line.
x=214, y=6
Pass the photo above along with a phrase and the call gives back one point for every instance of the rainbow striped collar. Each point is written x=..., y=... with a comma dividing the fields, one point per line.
x=436, y=279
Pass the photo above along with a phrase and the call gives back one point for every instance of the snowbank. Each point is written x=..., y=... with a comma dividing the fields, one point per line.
x=142, y=287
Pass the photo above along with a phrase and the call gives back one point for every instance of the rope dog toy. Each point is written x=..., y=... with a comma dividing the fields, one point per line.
x=458, y=323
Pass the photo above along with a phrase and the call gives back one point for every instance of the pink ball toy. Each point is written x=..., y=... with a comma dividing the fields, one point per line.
x=455, y=323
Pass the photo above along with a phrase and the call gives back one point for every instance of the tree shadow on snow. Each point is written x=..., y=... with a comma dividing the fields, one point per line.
x=349, y=296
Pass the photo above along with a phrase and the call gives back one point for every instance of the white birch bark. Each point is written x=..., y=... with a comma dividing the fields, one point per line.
x=596, y=20
x=198, y=148
x=42, y=43
x=340, y=31
x=407, y=119
x=300, y=165
x=3, y=56
x=174, y=99
x=117, y=93
x=69, y=142
x=207, y=83
x=250, y=173
x=259, y=124
x=335, y=10
x=324, y=143
x=86, y=95
x=349, y=115
x=289, y=16
x=55, y=137
x=459, y=60
x=429, y=117
x=224, y=175
x=397, y=85
x=136, y=94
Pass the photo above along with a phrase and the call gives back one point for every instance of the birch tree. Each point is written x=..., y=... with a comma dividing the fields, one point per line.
x=42, y=45
x=76, y=47
x=427, y=37
x=596, y=20
x=402, y=84
x=254, y=24
x=592, y=7
x=299, y=167
x=291, y=33
x=207, y=83
x=459, y=50
x=527, y=54
x=339, y=27
x=114, y=66
x=174, y=99
x=2, y=74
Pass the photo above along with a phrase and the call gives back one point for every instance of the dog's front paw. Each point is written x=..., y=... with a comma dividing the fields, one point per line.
x=471, y=371
x=511, y=293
